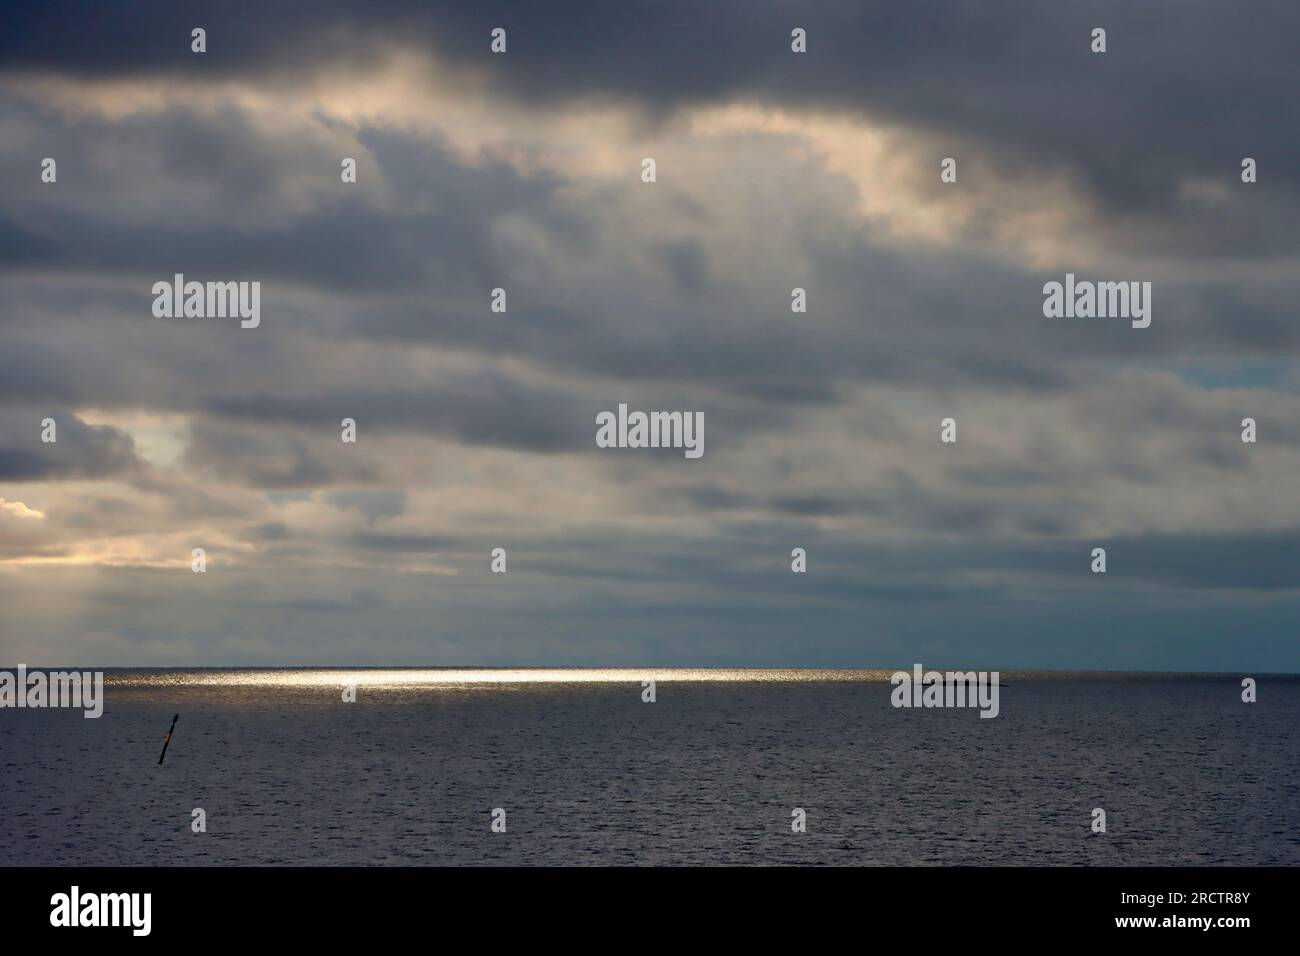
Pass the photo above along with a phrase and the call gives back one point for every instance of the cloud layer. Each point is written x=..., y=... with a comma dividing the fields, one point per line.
x=476, y=428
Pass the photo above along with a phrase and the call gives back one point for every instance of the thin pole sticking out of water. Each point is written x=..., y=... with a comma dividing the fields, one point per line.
x=168, y=739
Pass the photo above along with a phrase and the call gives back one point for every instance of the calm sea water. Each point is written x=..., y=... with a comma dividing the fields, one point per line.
x=708, y=774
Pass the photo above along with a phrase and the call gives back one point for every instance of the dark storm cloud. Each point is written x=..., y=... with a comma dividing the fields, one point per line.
x=879, y=313
x=343, y=246
x=491, y=409
x=80, y=450
x=906, y=501
x=203, y=191
x=139, y=36
x=1186, y=89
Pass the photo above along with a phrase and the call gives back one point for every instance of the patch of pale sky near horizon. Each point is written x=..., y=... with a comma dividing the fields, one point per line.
x=160, y=437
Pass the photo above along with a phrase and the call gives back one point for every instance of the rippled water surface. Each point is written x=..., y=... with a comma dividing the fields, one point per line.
x=709, y=773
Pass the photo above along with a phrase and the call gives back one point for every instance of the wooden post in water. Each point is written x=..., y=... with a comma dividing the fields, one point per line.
x=168, y=739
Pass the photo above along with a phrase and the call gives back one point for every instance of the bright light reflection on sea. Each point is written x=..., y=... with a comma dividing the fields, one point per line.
x=436, y=677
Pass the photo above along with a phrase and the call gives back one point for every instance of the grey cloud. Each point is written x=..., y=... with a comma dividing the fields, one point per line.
x=373, y=504
x=405, y=543
x=272, y=458
x=80, y=451
x=1163, y=105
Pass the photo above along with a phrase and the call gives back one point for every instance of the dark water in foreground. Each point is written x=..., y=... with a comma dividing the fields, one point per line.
x=708, y=774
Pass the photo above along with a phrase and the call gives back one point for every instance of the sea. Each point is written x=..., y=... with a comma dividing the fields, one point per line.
x=578, y=767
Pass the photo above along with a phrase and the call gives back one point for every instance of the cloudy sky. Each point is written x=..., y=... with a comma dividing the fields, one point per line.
x=476, y=430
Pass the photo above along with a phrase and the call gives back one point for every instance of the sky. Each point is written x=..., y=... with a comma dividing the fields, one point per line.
x=476, y=429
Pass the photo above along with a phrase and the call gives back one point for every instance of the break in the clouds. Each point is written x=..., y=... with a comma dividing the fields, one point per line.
x=475, y=428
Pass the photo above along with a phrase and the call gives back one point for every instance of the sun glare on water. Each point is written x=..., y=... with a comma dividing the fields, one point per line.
x=434, y=677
